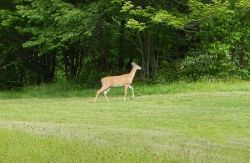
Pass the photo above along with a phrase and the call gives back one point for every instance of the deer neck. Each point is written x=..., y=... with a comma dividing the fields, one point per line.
x=132, y=73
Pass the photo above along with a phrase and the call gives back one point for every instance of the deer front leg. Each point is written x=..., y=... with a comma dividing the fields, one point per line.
x=132, y=89
x=125, y=92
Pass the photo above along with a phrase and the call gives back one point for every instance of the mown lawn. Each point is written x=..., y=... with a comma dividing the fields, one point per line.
x=192, y=126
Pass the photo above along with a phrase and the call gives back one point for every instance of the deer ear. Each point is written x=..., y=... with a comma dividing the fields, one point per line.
x=133, y=63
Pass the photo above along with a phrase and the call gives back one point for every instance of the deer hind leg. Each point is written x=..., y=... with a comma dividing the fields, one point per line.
x=105, y=94
x=100, y=91
x=125, y=92
x=132, y=89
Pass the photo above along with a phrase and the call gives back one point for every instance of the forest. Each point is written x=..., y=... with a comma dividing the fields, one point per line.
x=188, y=103
x=45, y=41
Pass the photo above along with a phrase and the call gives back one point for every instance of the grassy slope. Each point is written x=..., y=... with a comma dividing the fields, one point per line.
x=202, y=122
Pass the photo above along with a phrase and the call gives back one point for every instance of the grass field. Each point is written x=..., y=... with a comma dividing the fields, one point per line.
x=199, y=122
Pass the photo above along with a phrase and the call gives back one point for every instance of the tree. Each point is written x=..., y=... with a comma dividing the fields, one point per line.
x=86, y=40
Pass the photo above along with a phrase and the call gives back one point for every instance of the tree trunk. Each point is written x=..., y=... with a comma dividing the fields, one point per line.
x=103, y=45
x=48, y=63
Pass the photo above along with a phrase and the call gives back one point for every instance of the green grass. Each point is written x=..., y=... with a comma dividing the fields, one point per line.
x=181, y=122
x=58, y=90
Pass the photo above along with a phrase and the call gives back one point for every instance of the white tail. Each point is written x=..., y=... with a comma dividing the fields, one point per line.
x=118, y=81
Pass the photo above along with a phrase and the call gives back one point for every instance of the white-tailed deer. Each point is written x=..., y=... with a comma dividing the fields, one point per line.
x=118, y=81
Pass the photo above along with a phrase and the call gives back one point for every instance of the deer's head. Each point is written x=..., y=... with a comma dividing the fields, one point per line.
x=136, y=66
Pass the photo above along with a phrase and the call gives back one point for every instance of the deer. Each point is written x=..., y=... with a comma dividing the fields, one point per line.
x=118, y=81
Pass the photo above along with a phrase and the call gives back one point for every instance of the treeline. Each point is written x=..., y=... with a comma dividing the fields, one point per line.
x=42, y=41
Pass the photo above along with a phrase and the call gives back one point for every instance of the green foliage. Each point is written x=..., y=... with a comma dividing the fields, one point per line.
x=215, y=61
x=55, y=24
x=219, y=52
x=164, y=17
x=133, y=24
x=11, y=64
x=86, y=40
